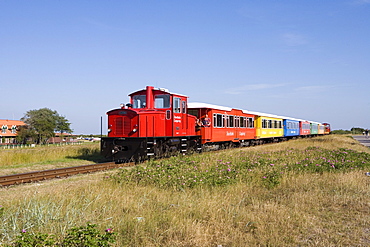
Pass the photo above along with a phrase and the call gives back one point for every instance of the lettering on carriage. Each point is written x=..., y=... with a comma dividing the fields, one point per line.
x=229, y=133
x=242, y=133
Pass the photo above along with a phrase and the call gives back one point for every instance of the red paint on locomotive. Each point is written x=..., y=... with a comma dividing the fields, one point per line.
x=153, y=115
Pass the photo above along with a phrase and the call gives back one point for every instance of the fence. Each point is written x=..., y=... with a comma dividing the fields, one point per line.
x=14, y=146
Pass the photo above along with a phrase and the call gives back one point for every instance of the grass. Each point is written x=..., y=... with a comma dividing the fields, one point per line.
x=258, y=205
x=47, y=157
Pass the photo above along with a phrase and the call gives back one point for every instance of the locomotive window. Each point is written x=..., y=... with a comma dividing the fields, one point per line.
x=183, y=104
x=139, y=101
x=280, y=125
x=162, y=101
x=176, y=105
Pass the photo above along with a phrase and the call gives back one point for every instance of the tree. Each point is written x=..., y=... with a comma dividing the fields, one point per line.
x=357, y=130
x=42, y=123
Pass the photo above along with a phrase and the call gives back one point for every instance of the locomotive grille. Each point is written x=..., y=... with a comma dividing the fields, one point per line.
x=123, y=126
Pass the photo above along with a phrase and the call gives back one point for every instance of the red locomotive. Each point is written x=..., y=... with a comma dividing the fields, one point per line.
x=159, y=123
x=154, y=123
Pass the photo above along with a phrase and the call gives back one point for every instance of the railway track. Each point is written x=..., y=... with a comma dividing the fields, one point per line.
x=57, y=173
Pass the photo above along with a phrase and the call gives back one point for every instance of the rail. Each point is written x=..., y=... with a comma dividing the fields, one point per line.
x=57, y=173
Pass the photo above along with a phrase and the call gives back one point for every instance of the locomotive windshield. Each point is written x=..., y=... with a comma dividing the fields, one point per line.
x=139, y=101
x=160, y=101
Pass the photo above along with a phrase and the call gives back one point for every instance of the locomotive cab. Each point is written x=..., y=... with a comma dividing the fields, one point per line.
x=154, y=123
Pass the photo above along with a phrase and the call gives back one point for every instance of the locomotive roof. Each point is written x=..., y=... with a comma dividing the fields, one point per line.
x=164, y=90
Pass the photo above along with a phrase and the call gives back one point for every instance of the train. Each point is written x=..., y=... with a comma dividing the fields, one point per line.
x=159, y=123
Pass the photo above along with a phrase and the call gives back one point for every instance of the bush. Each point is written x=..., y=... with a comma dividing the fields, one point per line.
x=77, y=237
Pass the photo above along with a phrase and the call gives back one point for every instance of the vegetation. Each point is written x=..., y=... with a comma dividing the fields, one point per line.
x=353, y=131
x=41, y=125
x=307, y=192
x=77, y=237
x=48, y=157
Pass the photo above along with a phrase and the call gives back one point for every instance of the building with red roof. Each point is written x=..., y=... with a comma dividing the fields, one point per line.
x=8, y=130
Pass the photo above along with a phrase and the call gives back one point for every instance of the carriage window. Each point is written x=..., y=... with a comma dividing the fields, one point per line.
x=269, y=124
x=139, y=101
x=237, y=122
x=243, y=122
x=218, y=120
x=231, y=121
x=193, y=112
x=162, y=101
x=250, y=122
x=176, y=105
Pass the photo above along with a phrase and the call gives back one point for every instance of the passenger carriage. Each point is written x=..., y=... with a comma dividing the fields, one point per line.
x=321, y=129
x=314, y=128
x=225, y=125
x=291, y=128
x=305, y=128
x=327, y=128
x=268, y=126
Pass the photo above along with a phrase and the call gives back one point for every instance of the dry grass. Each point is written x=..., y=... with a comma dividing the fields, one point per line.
x=305, y=209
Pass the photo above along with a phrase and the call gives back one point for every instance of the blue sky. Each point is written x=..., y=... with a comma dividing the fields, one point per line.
x=304, y=59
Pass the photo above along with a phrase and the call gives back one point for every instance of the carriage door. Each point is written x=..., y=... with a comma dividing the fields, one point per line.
x=179, y=117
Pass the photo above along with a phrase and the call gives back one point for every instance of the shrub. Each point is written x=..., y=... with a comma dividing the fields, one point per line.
x=88, y=236
x=76, y=237
x=27, y=239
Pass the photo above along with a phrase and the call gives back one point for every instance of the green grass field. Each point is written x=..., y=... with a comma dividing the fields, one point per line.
x=306, y=192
